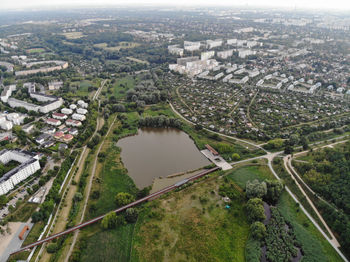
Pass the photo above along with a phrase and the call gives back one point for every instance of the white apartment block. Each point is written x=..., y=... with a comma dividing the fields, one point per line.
x=176, y=50
x=29, y=164
x=192, y=46
x=232, y=41
x=207, y=55
x=214, y=43
x=225, y=54
x=7, y=92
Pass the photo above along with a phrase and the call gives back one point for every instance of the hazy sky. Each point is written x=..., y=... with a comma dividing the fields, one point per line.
x=313, y=4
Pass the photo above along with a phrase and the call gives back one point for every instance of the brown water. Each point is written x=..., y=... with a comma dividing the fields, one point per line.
x=159, y=152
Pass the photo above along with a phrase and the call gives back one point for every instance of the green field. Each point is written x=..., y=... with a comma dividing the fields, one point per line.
x=111, y=180
x=121, y=86
x=73, y=35
x=314, y=245
x=37, y=50
x=192, y=225
x=82, y=88
x=121, y=45
x=251, y=172
x=137, y=60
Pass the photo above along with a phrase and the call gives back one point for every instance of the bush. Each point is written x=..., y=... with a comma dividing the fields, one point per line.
x=258, y=230
x=255, y=210
x=52, y=248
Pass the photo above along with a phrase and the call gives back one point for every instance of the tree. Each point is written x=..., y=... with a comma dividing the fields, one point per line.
x=274, y=190
x=109, y=221
x=255, y=210
x=131, y=215
x=78, y=197
x=52, y=248
x=255, y=189
x=258, y=230
x=122, y=199
x=236, y=157
x=294, y=139
x=3, y=200
x=288, y=150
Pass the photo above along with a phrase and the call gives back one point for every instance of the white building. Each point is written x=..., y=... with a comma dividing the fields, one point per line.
x=29, y=164
x=4, y=124
x=7, y=92
x=78, y=117
x=214, y=43
x=82, y=111
x=66, y=111
x=59, y=116
x=232, y=41
x=243, y=53
x=207, y=55
x=82, y=104
x=192, y=46
x=71, y=122
x=176, y=50
x=13, y=102
x=226, y=78
x=16, y=118
x=53, y=122
x=55, y=85
x=225, y=54
x=73, y=106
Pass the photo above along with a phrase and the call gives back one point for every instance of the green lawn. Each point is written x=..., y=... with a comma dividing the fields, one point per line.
x=37, y=50
x=181, y=227
x=23, y=213
x=113, y=245
x=121, y=86
x=314, y=245
x=246, y=173
x=109, y=245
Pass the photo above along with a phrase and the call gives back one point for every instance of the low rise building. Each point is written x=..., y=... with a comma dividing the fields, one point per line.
x=59, y=116
x=82, y=111
x=71, y=122
x=78, y=117
x=66, y=111
x=53, y=122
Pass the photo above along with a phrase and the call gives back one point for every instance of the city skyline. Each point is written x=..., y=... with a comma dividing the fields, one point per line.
x=298, y=4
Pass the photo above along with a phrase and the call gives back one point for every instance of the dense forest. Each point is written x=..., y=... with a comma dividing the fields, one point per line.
x=327, y=172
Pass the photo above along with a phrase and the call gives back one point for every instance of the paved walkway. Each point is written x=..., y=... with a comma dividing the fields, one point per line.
x=217, y=160
x=13, y=242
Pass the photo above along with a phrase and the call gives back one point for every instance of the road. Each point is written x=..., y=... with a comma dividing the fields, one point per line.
x=135, y=203
x=287, y=163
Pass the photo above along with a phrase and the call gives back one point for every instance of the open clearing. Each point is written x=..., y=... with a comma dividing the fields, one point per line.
x=35, y=50
x=73, y=35
x=192, y=225
x=137, y=60
x=121, y=45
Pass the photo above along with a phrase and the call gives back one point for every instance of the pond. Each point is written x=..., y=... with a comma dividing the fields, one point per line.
x=159, y=152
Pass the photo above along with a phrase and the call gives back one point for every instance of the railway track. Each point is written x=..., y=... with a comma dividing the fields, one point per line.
x=135, y=203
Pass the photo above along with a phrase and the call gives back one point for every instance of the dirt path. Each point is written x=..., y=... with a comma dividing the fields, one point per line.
x=287, y=163
x=87, y=194
x=61, y=216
